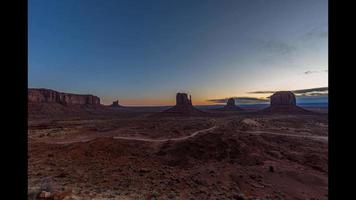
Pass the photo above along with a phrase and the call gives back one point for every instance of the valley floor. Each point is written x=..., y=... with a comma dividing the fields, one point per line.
x=142, y=157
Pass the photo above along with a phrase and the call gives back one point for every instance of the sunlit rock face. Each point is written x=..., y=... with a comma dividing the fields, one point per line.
x=283, y=98
x=51, y=96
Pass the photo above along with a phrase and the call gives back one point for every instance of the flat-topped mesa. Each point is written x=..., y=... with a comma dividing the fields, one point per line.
x=284, y=102
x=283, y=98
x=182, y=99
x=51, y=96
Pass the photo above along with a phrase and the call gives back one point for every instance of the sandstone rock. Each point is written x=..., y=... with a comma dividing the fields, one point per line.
x=116, y=104
x=284, y=102
x=183, y=107
x=230, y=102
x=230, y=106
x=51, y=96
x=182, y=99
x=283, y=98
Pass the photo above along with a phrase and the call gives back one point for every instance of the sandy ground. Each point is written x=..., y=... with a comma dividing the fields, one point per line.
x=141, y=157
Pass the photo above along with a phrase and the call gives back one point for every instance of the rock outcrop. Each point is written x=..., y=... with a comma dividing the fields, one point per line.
x=116, y=104
x=284, y=102
x=182, y=99
x=230, y=102
x=183, y=107
x=51, y=96
x=230, y=106
x=283, y=98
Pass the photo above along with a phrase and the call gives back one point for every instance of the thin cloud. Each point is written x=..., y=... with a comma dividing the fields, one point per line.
x=321, y=91
x=312, y=90
x=316, y=33
x=316, y=71
x=240, y=100
x=279, y=47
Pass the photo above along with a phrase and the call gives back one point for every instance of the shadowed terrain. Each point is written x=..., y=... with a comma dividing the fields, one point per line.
x=98, y=152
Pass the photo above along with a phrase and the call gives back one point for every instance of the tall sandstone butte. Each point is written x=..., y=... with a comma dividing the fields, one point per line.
x=182, y=99
x=51, y=96
x=230, y=102
x=284, y=102
x=283, y=98
x=115, y=104
x=183, y=107
x=230, y=105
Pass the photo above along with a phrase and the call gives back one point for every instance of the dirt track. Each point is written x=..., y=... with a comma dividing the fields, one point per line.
x=314, y=137
x=215, y=158
x=166, y=140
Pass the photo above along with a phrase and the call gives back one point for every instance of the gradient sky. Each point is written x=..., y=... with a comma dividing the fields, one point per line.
x=143, y=52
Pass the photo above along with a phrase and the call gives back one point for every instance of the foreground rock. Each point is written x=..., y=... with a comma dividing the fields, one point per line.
x=51, y=96
x=284, y=102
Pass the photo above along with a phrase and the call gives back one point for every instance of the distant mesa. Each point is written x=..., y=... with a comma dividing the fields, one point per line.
x=50, y=104
x=283, y=98
x=116, y=104
x=284, y=102
x=230, y=102
x=183, y=107
x=231, y=106
x=50, y=96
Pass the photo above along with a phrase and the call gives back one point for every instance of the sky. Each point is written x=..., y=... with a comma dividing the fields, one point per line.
x=144, y=52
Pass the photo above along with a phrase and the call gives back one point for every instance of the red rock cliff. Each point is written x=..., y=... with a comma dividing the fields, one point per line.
x=51, y=96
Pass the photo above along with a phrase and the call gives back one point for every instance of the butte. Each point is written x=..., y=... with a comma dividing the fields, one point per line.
x=284, y=102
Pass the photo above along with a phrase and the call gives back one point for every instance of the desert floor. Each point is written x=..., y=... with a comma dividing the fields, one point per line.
x=137, y=156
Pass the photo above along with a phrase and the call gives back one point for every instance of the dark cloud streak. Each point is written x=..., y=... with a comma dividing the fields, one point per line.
x=321, y=91
x=279, y=47
x=240, y=100
x=316, y=71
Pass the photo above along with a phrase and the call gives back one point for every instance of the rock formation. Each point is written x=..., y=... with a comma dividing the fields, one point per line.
x=183, y=107
x=182, y=99
x=230, y=102
x=284, y=102
x=51, y=96
x=115, y=104
x=230, y=106
x=283, y=98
